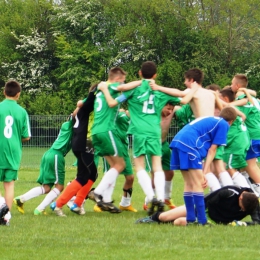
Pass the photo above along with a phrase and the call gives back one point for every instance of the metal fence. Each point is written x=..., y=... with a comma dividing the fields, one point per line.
x=45, y=130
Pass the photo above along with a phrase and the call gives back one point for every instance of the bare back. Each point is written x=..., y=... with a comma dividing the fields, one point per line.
x=203, y=103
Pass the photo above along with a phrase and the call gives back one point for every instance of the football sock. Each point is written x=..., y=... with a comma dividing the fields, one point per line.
x=126, y=198
x=107, y=194
x=52, y=195
x=108, y=179
x=2, y=201
x=155, y=217
x=159, y=182
x=213, y=181
x=83, y=192
x=145, y=182
x=225, y=179
x=34, y=192
x=68, y=193
x=168, y=190
x=240, y=180
x=200, y=207
x=189, y=203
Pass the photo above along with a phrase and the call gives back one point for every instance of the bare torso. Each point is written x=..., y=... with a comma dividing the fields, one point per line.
x=165, y=125
x=203, y=103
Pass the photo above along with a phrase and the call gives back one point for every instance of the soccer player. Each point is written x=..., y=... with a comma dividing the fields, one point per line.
x=106, y=140
x=229, y=204
x=14, y=129
x=196, y=141
x=52, y=172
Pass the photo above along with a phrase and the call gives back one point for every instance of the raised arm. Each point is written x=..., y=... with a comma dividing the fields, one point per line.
x=188, y=97
x=129, y=86
x=110, y=101
x=170, y=91
x=248, y=95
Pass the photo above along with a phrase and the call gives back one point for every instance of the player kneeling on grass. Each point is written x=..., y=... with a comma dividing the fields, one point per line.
x=228, y=205
x=52, y=172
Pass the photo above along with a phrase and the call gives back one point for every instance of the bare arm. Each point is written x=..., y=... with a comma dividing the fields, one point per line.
x=26, y=139
x=210, y=156
x=104, y=88
x=240, y=102
x=248, y=95
x=188, y=97
x=129, y=86
x=170, y=91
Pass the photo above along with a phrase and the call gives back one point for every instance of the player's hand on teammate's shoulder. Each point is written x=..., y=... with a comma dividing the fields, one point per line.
x=194, y=85
x=102, y=85
x=153, y=85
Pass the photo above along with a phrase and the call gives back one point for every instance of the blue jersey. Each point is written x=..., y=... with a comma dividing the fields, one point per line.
x=198, y=136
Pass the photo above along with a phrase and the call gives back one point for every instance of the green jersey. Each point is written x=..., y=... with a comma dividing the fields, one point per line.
x=63, y=141
x=105, y=116
x=184, y=115
x=252, y=119
x=145, y=107
x=14, y=126
x=122, y=123
x=237, y=138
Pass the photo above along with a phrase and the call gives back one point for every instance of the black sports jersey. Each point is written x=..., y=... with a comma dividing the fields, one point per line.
x=80, y=127
x=223, y=205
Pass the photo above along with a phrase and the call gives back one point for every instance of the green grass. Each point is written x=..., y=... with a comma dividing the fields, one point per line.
x=115, y=236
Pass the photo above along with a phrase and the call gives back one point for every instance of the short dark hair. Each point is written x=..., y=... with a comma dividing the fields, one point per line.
x=228, y=113
x=213, y=87
x=242, y=80
x=249, y=201
x=114, y=72
x=12, y=88
x=195, y=74
x=148, y=69
x=228, y=93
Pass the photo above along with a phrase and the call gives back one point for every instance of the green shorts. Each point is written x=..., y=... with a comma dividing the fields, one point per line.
x=166, y=158
x=107, y=144
x=52, y=168
x=234, y=161
x=7, y=175
x=146, y=145
x=219, y=153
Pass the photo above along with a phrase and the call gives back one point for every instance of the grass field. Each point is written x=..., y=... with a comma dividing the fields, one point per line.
x=115, y=236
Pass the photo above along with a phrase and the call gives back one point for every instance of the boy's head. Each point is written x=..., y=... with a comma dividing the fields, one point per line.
x=213, y=87
x=148, y=70
x=12, y=89
x=227, y=95
x=193, y=75
x=229, y=114
x=239, y=81
x=248, y=201
x=167, y=109
x=116, y=75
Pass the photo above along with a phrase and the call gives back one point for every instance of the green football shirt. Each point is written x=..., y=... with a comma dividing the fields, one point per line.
x=105, y=116
x=184, y=115
x=14, y=125
x=145, y=107
x=122, y=124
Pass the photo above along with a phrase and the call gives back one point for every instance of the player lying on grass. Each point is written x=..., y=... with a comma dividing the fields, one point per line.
x=230, y=204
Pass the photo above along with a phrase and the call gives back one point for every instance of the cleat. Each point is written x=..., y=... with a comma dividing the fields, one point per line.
x=82, y=210
x=151, y=206
x=127, y=208
x=145, y=207
x=38, y=212
x=169, y=203
x=91, y=195
x=97, y=208
x=207, y=224
x=108, y=206
x=53, y=205
x=19, y=204
x=75, y=208
x=194, y=223
x=147, y=220
x=3, y=211
x=59, y=212
x=160, y=206
x=4, y=222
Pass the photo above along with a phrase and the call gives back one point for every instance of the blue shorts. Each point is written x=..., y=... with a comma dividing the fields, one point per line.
x=185, y=160
x=254, y=150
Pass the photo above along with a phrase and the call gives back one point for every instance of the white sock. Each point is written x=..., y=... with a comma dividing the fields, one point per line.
x=213, y=182
x=159, y=183
x=245, y=174
x=34, y=192
x=2, y=201
x=145, y=182
x=225, y=179
x=168, y=189
x=53, y=194
x=108, y=179
x=8, y=216
x=125, y=202
x=107, y=194
x=240, y=180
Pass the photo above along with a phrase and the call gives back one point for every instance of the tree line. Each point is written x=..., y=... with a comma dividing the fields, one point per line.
x=57, y=49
